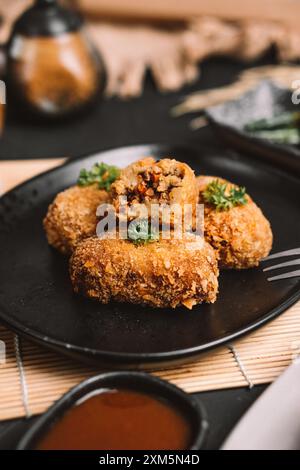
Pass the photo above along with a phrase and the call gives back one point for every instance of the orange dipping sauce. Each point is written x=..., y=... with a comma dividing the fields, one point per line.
x=119, y=420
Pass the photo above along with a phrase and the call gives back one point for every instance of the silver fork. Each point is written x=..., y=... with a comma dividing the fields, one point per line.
x=294, y=262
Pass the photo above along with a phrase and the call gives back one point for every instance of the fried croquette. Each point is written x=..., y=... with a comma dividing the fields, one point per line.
x=72, y=216
x=166, y=273
x=148, y=181
x=241, y=236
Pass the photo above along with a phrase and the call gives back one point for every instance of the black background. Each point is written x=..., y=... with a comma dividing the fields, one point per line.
x=114, y=123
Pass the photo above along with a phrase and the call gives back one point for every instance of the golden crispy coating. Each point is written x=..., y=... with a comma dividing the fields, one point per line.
x=72, y=216
x=167, y=273
x=241, y=236
x=149, y=181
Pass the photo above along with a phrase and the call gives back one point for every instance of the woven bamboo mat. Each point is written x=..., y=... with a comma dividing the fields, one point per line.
x=32, y=378
x=14, y=172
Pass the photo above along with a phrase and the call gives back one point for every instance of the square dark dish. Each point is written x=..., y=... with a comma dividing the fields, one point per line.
x=265, y=101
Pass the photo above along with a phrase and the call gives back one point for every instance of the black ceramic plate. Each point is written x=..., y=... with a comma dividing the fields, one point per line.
x=36, y=298
x=264, y=101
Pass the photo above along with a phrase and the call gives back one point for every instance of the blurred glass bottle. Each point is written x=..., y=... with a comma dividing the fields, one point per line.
x=52, y=67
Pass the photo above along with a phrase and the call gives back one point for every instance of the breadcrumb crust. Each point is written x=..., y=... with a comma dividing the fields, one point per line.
x=167, y=273
x=72, y=216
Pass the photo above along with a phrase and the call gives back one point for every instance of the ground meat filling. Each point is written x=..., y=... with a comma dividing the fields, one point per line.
x=155, y=183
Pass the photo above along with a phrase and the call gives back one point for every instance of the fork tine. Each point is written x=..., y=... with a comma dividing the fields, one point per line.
x=294, y=251
x=285, y=276
x=294, y=262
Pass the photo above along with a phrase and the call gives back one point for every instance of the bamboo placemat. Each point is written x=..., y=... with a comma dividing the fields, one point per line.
x=32, y=378
x=14, y=172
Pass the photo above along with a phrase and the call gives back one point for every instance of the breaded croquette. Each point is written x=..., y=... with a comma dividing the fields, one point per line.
x=166, y=273
x=149, y=182
x=242, y=236
x=72, y=216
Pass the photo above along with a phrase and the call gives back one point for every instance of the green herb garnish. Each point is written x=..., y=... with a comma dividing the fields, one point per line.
x=290, y=135
x=101, y=173
x=140, y=232
x=218, y=194
x=283, y=128
x=279, y=121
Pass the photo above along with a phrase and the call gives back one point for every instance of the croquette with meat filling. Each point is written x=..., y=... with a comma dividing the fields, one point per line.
x=148, y=181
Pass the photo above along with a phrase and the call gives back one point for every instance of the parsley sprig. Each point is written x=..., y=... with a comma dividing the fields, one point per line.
x=140, y=232
x=218, y=194
x=101, y=173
